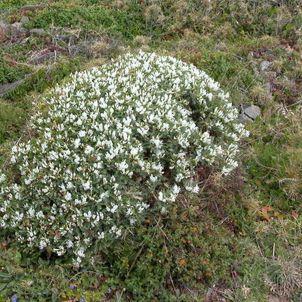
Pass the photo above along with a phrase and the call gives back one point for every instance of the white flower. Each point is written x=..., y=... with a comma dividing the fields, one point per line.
x=113, y=209
x=175, y=189
x=123, y=166
x=2, y=178
x=42, y=244
x=70, y=185
x=88, y=150
x=101, y=235
x=69, y=244
x=82, y=133
x=68, y=196
x=87, y=185
x=161, y=196
x=81, y=252
x=153, y=178
x=77, y=143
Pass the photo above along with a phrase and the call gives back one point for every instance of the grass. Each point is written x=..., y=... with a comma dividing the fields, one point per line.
x=240, y=239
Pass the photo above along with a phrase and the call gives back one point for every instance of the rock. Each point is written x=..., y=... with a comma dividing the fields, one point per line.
x=65, y=38
x=38, y=32
x=24, y=20
x=6, y=88
x=264, y=65
x=4, y=31
x=249, y=113
x=18, y=30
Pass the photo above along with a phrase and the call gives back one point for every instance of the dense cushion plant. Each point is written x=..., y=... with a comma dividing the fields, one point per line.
x=111, y=143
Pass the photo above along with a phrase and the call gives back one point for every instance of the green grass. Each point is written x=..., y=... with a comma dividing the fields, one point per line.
x=120, y=23
x=242, y=234
x=9, y=4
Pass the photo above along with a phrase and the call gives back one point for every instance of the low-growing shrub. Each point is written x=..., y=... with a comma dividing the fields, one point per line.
x=111, y=143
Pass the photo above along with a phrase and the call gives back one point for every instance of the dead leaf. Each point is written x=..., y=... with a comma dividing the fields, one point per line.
x=264, y=212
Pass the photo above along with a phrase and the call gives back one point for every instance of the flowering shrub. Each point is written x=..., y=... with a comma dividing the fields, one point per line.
x=110, y=142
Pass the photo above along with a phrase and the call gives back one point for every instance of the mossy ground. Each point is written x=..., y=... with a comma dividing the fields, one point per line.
x=241, y=238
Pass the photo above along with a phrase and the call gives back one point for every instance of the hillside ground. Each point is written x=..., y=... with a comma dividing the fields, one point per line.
x=241, y=238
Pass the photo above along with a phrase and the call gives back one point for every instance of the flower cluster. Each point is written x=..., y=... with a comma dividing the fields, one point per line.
x=112, y=140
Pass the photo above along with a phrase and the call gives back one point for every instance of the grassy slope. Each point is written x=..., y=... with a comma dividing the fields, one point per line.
x=240, y=240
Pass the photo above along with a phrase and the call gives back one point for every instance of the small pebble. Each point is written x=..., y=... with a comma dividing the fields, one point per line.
x=264, y=65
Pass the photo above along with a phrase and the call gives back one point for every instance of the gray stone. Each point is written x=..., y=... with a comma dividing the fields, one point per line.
x=24, y=20
x=17, y=29
x=38, y=32
x=249, y=113
x=64, y=38
x=264, y=65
